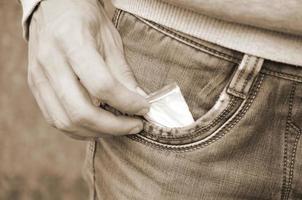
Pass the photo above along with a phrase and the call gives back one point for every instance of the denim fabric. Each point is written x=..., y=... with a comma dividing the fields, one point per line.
x=245, y=143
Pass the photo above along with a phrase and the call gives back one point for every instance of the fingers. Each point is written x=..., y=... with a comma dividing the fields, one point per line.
x=47, y=100
x=63, y=51
x=38, y=99
x=75, y=102
x=98, y=80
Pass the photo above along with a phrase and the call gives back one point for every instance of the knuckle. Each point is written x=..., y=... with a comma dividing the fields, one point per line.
x=78, y=118
x=73, y=27
x=76, y=109
x=64, y=29
x=64, y=126
x=105, y=89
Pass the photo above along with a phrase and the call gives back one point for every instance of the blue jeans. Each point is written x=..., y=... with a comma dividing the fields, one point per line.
x=245, y=143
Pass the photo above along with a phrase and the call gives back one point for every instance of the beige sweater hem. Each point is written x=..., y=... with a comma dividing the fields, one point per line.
x=263, y=43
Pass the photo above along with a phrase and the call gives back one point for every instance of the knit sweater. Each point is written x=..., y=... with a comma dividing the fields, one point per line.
x=271, y=45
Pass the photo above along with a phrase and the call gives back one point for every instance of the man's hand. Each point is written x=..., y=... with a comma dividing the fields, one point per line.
x=76, y=58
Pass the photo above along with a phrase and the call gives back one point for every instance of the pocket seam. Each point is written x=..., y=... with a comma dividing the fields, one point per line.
x=223, y=128
x=283, y=75
x=197, y=130
x=116, y=17
x=289, y=156
x=215, y=136
x=173, y=35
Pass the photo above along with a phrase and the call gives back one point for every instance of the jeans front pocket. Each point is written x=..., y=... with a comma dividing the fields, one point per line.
x=232, y=104
x=217, y=89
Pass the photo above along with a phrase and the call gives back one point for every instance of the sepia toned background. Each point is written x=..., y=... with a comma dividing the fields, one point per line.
x=36, y=161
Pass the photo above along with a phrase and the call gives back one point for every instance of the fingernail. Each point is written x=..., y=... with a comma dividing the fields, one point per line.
x=143, y=111
x=136, y=130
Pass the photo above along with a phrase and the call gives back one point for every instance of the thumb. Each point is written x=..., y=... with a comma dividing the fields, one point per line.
x=126, y=77
x=126, y=95
x=122, y=72
x=113, y=52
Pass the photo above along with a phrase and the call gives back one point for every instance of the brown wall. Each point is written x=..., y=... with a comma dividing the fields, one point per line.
x=36, y=161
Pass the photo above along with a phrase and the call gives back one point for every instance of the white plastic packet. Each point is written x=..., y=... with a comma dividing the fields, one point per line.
x=168, y=108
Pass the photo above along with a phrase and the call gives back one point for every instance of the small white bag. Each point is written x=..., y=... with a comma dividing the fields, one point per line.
x=169, y=108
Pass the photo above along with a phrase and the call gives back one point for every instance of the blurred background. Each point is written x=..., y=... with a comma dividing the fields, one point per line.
x=36, y=161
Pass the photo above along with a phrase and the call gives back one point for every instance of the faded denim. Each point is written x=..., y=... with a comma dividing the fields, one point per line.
x=245, y=143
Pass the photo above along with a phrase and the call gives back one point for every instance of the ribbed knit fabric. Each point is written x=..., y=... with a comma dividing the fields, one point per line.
x=263, y=43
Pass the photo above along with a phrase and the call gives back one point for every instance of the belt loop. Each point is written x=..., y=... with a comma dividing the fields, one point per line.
x=245, y=75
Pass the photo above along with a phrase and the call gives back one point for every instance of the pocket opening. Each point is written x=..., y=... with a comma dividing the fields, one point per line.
x=184, y=146
x=231, y=102
x=232, y=98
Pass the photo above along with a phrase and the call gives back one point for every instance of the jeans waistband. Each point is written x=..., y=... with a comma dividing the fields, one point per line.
x=280, y=70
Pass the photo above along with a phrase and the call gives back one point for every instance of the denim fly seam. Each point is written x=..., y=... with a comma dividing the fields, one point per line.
x=88, y=169
x=291, y=139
